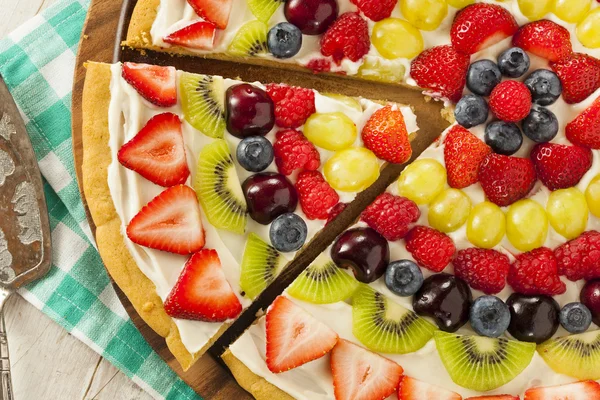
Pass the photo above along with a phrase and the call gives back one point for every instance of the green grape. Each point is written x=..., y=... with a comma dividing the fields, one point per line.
x=422, y=180
x=486, y=225
x=588, y=30
x=449, y=210
x=395, y=38
x=424, y=14
x=376, y=69
x=535, y=9
x=330, y=131
x=571, y=10
x=352, y=169
x=526, y=225
x=568, y=212
x=592, y=195
x=459, y=3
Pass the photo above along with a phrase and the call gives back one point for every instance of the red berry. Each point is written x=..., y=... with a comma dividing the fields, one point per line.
x=441, y=70
x=335, y=211
x=199, y=35
x=536, y=272
x=560, y=166
x=463, y=153
x=506, y=179
x=347, y=37
x=580, y=258
x=376, y=10
x=319, y=65
x=510, y=101
x=585, y=129
x=544, y=38
x=481, y=25
x=431, y=249
x=316, y=196
x=391, y=216
x=293, y=105
x=482, y=269
x=156, y=84
x=385, y=135
x=293, y=151
x=580, y=76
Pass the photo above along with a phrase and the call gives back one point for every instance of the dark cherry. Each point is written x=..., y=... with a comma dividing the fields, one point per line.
x=533, y=318
x=445, y=298
x=268, y=196
x=249, y=111
x=590, y=296
x=312, y=17
x=364, y=251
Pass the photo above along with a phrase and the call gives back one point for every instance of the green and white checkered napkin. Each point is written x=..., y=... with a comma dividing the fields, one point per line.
x=37, y=62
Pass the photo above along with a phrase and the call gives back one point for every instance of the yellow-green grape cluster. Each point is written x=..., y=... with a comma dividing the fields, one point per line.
x=352, y=169
x=331, y=131
x=568, y=212
x=422, y=181
x=526, y=225
x=592, y=196
x=395, y=38
x=424, y=14
x=535, y=9
x=571, y=11
x=449, y=210
x=486, y=225
x=588, y=30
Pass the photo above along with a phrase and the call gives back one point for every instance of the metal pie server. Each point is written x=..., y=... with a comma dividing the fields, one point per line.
x=25, y=251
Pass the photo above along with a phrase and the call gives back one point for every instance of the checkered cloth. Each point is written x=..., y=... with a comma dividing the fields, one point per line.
x=37, y=62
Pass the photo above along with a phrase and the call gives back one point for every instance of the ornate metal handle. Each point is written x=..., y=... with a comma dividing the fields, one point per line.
x=6, y=392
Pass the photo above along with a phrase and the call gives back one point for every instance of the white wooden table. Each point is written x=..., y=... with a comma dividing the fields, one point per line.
x=47, y=362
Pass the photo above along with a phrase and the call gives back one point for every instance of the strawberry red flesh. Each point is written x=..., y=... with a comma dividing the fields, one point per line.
x=586, y=390
x=506, y=179
x=215, y=11
x=560, y=166
x=385, y=135
x=199, y=35
x=463, y=153
x=585, y=129
x=413, y=389
x=580, y=76
x=154, y=83
x=545, y=39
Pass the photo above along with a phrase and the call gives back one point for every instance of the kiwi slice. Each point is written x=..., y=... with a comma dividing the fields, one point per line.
x=322, y=283
x=482, y=363
x=250, y=40
x=264, y=9
x=203, y=103
x=577, y=356
x=385, y=326
x=218, y=188
x=261, y=263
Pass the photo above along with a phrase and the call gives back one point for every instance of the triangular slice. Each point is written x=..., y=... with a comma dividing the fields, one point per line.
x=587, y=390
x=215, y=11
x=199, y=35
x=154, y=83
x=577, y=356
x=203, y=103
x=170, y=222
x=414, y=389
x=261, y=263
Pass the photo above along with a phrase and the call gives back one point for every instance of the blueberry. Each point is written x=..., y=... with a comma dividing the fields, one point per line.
x=489, y=316
x=503, y=137
x=403, y=277
x=482, y=77
x=471, y=110
x=284, y=40
x=545, y=86
x=513, y=62
x=288, y=232
x=575, y=317
x=255, y=153
x=540, y=125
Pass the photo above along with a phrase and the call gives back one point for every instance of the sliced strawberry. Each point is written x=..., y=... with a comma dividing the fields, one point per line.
x=157, y=151
x=544, y=38
x=506, y=179
x=413, y=389
x=497, y=397
x=361, y=374
x=156, y=84
x=170, y=222
x=215, y=11
x=202, y=293
x=585, y=129
x=294, y=337
x=481, y=25
x=560, y=166
x=580, y=76
x=587, y=390
x=463, y=152
x=199, y=35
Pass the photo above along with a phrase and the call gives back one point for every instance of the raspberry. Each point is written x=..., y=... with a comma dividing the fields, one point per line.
x=482, y=269
x=375, y=10
x=293, y=105
x=293, y=151
x=385, y=135
x=335, y=211
x=347, y=37
x=580, y=258
x=391, y=215
x=536, y=272
x=319, y=65
x=316, y=196
x=431, y=249
x=510, y=101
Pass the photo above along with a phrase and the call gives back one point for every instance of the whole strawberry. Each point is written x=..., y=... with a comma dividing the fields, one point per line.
x=545, y=39
x=385, y=135
x=293, y=151
x=482, y=269
x=510, y=101
x=391, y=216
x=580, y=258
x=535, y=273
x=293, y=105
x=585, y=129
x=463, y=152
x=431, y=249
x=580, y=76
x=560, y=166
x=442, y=70
x=506, y=179
x=316, y=196
x=481, y=25
x=347, y=37
x=376, y=10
